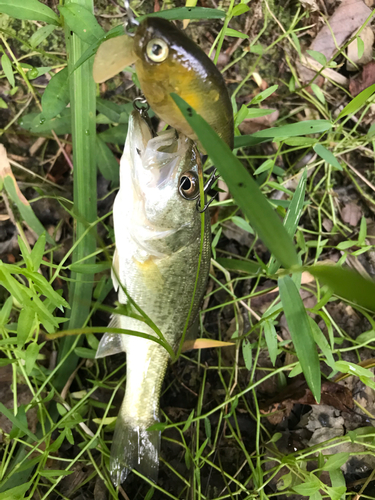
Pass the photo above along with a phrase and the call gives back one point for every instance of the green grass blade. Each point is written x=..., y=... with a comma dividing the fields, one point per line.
x=358, y=101
x=83, y=106
x=327, y=156
x=243, y=188
x=300, y=331
x=292, y=130
x=347, y=284
x=240, y=266
x=293, y=216
x=181, y=13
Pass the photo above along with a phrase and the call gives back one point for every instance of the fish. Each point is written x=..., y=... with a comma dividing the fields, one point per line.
x=157, y=231
x=167, y=61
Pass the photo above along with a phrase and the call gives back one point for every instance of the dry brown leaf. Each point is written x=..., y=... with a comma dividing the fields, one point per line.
x=367, y=36
x=367, y=79
x=347, y=18
x=351, y=214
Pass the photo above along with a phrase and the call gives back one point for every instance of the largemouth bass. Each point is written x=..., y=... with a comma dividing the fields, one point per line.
x=166, y=61
x=158, y=233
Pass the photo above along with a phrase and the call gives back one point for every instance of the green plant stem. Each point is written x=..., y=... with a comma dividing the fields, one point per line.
x=83, y=106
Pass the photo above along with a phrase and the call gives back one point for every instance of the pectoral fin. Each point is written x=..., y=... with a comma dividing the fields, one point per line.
x=111, y=343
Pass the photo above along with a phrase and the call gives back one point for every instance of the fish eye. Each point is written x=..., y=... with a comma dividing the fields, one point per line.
x=189, y=186
x=157, y=50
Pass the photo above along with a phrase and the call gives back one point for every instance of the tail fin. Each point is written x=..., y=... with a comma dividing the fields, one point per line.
x=134, y=447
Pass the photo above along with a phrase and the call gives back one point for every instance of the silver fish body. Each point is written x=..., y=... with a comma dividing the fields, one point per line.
x=157, y=234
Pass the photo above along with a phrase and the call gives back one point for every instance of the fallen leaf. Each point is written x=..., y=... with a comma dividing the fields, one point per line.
x=367, y=79
x=351, y=214
x=367, y=36
x=347, y=18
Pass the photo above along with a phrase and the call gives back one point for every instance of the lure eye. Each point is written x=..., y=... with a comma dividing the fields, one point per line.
x=157, y=50
x=189, y=186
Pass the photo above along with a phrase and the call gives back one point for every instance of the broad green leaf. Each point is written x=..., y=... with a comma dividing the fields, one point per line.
x=40, y=35
x=338, y=481
x=84, y=352
x=7, y=68
x=16, y=493
x=316, y=496
x=357, y=102
x=25, y=322
x=353, y=369
x=271, y=340
x=308, y=488
x=31, y=10
x=31, y=355
x=347, y=284
x=318, y=92
x=37, y=124
x=300, y=331
x=360, y=46
x=240, y=9
x=82, y=22
x=115, y=135
x=337, y=493
x=106, y=162
x=263, y=95
x=243, y=188
x=327, y=156
x=292, y=130
x=336, y=461
x=241, y=266
x=3, y=104
x=16, y=422
x=318, y=56
x=7, y=361
x=293, y=215
x=109, y=109
x=56, y=96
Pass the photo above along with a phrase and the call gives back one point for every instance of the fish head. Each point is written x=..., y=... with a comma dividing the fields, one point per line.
x=163, y=184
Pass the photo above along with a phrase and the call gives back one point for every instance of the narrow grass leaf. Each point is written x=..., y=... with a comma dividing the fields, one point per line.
x=188, y=421
x=360, y=46
x=318, y=92
x=98, y=267
x=357, y=102
x=347, y=284
x=56, y=96
x=263, y=95
x=181, y=13
x=31, y=10
x=25, y=322
x=37, y=252
x=257, y=113
x=240, y=266
x=300, y=331
x=31, y=355
x=106, y=162
x=267, y=165
x=247, y=353
x=16, y=493
x=292, y=130
x=82, y=22
x=235, y=33
x=322, y=343
x=5, y=311
x=84, y=352
x=293, y=215
x=55, y=473
x=327, y=156
x=242, y=224
x=16, y=422
x=40, y=35
x=271, y=340
x=8, y=70
x=362, y=231
x=23, y=206
x=243, y=187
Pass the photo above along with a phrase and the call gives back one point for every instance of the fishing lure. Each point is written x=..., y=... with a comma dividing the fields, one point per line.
x=167, y=61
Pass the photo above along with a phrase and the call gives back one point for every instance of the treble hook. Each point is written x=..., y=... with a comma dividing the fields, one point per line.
x=211, y=181
x=131, y=22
